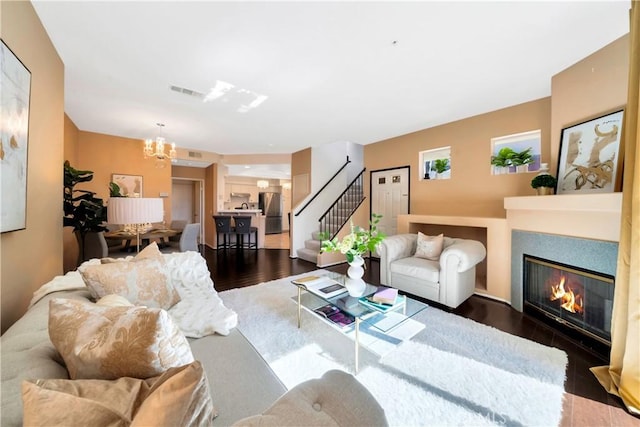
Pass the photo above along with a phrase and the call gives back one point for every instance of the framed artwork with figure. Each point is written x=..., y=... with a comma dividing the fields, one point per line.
x=589, y=160
x=130, y=185
x=15, y=90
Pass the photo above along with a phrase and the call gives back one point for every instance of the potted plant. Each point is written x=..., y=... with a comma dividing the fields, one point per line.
x=544, y=184
x=440, y=166
x=522, y=159
x=82, y=210
x=358, y=242
x=503, y=160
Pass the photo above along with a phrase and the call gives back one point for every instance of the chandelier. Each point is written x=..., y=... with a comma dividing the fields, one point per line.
x=158, y=152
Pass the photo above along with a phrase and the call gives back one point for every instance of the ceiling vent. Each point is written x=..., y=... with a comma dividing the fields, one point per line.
x=186, y=91
x=195, y=154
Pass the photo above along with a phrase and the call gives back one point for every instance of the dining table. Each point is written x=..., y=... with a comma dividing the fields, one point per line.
x=160, y=234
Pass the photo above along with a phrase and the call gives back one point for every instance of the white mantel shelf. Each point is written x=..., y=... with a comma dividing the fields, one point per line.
x=590, y=216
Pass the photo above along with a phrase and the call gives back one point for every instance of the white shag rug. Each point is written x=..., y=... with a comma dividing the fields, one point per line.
x=453, y=372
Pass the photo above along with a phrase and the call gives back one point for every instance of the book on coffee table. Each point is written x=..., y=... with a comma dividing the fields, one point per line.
x=336, y=316
x=386, y=296
x=382, y=307
x=322, y=286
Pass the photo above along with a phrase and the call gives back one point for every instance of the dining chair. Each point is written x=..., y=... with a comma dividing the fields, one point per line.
x=243, y=228
x=189, y=238
x=224, y=229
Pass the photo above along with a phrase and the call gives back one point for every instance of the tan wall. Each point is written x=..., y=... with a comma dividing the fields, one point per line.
x=590, y=88
x=472, y=189
x=32, y=257
x=300, y=165
x=187, y=172
x=209, y=204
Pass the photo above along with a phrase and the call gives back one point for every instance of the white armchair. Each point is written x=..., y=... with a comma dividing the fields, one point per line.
x=449, y=281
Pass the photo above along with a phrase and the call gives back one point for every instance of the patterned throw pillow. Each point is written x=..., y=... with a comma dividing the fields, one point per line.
x=145, y=280
x=179, y=397
x=429, y=247
x=112, y=342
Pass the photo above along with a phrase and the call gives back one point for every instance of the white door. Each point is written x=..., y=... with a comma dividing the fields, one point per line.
x=390, y=197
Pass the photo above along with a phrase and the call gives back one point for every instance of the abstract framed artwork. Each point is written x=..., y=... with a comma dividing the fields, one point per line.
x=130, y=185
x=15, y=90
x=589, y=160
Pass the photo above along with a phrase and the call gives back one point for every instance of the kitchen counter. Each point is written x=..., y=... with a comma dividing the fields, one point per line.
x=257, y=220
x=241, y=211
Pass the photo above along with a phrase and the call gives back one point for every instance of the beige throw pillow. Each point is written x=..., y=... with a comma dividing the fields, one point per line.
x=179, y=397
x=113, y=342
x=429, y=247
x=145, y=280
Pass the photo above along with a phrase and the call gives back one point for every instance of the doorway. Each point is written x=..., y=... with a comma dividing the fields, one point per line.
x=187, y=202
x=390, y=197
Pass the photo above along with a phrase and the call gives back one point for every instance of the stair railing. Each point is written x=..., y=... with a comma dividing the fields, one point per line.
x=323, y=187
x=334, y=218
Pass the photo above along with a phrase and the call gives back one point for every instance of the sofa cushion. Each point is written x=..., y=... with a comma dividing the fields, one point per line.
x=181, y=393
x=144, y=280
x=429, y=247
x=112, y=342
x=419, y=268
x=335, y=399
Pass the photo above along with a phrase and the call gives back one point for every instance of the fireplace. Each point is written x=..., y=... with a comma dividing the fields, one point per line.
x=573, y=297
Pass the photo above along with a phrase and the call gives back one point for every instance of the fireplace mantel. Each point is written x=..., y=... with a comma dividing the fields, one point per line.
x=589, y=216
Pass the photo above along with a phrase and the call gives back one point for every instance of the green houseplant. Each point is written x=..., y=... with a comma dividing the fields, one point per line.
x=503, y=160
x=440, y=166
x=544, y=184
x=358, y=242
x=522, y=158
x=83, y=211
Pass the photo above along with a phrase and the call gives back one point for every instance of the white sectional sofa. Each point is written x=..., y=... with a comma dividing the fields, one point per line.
x=243, y=388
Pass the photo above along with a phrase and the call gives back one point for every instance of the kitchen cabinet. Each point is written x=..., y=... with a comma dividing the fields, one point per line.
x=251, y=190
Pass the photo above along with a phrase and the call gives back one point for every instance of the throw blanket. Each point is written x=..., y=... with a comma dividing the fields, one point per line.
x=200, y=312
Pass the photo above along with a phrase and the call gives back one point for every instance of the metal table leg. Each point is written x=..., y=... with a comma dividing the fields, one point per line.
x=299, y=293
x=357, y=343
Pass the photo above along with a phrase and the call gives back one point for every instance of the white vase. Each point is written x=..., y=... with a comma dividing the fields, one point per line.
x=356, y=271
x=355, y=287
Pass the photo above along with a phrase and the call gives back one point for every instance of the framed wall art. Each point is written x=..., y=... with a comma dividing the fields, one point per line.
x=15, y=90
x=130, y=185
x=589, y=160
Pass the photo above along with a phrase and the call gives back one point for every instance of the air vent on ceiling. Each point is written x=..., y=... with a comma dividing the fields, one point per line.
x=186, y=91
x=195, y=154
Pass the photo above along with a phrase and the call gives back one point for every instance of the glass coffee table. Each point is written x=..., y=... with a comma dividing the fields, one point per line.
x=381, y=321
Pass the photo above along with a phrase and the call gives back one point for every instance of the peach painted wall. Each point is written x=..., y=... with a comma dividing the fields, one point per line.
x=300, y=165
x=472, y=189
x=188, y=172
x=590, y=88
x=31, y=257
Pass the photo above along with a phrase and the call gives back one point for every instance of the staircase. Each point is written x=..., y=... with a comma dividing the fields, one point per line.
x=334, y=219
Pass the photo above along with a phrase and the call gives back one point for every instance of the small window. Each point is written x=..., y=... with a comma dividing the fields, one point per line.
x=516, y=153
x=435, y=164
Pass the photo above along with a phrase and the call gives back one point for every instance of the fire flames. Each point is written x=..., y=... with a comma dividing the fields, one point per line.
x=570, y=301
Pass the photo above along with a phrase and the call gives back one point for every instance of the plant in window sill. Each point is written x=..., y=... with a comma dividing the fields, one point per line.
x=358, y=242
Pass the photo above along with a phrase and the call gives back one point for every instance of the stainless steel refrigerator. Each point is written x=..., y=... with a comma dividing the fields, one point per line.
x=271, y=205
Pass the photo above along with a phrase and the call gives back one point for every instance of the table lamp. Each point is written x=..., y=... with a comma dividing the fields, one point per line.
x=136, y=211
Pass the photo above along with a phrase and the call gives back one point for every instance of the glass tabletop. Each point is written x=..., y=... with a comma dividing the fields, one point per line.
x=404, y=309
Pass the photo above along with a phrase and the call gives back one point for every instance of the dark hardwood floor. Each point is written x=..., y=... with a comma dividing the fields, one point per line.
x=586, y=403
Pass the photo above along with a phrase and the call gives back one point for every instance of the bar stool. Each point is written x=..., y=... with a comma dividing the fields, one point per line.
x=243, y=227
x=224, y=229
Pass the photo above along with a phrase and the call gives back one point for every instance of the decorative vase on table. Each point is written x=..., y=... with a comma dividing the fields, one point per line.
x=356, y=269
x=355, y=287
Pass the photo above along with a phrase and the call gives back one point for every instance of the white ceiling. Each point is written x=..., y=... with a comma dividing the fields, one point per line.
x=277, y=77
